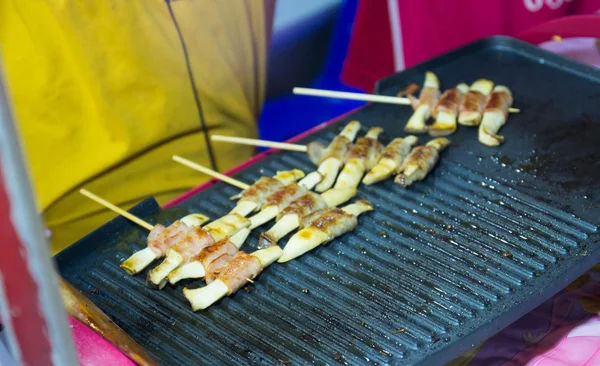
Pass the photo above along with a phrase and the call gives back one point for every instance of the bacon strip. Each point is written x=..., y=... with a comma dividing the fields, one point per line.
x=323, y=227
x=167, y=237
x=304, y=205
x=290, y=218
x=360, y=159
x=160, y=240
x=308, y=219
x=446, y=110
x=427, y=99
x=206, y=260
x=285, y=195
x=232, y=276
x=496, y=113
x=210, y=253
x=471, y=108
x=335, y=222
x=192, y=243
x=263, y=187
x=241, y=267
x=421, y=161
x=252, y=198
x=391, y=159
x=213, y=269
x=337, y=149
x=335, y=155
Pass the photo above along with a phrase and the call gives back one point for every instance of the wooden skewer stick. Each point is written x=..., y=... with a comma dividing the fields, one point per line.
x=116, y=209
x=261, y=143
x=360, y=96
x=142, y=258
x=212, y=173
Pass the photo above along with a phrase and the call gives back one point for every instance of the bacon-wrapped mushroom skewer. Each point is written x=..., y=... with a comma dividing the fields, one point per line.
x=194, y=266
x=471, y=108
x=360, y=159
x=192, y=243
x=281, y=198
x=334, y=155
x=159, y=239
x=446, y=110
x=290, y=218
x=421, y=161
x=251, y=197
x=390, y=161
x=373, y=98
x=494, y=117
x=185, y=252
x=424, y=106
x=322, y=227
x=231, y=277
x=199, y=266
x=315, y=150
x=210, y=258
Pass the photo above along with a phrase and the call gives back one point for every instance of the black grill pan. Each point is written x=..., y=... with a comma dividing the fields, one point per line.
x=434, y=270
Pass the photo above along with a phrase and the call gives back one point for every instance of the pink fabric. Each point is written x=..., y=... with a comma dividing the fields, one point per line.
x=583, y=50
x=93, y=350
x=565, y=330
x=429, y=28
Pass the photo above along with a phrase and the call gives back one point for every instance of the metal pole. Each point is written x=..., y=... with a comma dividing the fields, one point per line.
x=31, y=307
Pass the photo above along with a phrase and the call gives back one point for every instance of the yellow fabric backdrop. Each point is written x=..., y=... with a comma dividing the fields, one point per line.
x=103, y=99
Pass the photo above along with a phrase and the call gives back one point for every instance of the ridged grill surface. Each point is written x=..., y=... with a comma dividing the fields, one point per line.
x=433, y=270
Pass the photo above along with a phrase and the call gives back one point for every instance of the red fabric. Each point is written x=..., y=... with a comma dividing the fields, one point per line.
x=21, y=291
x=432, y=27
x=370, y=55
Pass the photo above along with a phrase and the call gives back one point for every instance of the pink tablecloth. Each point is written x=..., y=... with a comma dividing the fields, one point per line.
x=93, y=350
x=563, y=331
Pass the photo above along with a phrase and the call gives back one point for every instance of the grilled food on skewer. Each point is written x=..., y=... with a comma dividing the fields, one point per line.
x=192, y=243
x=278, y=200
x=391, y=159
x=322, y=227
x=252, y=198
x=159, y=240
x=207, y=260
x=471, y=108
x=421, y=161
x=445, y=111
x=427, y=99
x=197, y=266
x=241, y=269
x=361, y=158
x=334, y=156
x=494, y=117
x=290, y=218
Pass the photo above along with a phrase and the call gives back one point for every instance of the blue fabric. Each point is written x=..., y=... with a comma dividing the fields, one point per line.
x=288, y=115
